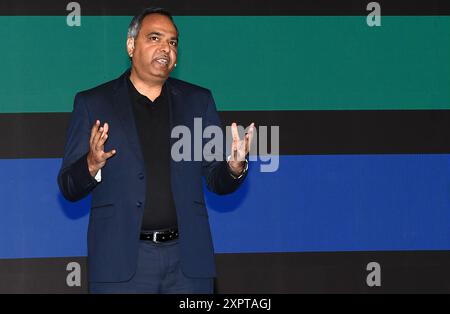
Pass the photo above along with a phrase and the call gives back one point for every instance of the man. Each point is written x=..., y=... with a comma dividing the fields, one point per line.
x=148, y=228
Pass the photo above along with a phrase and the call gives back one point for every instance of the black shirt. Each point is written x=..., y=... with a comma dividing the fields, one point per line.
x=152, y=123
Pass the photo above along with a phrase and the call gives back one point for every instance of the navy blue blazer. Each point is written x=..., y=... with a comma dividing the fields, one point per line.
x=118, y=200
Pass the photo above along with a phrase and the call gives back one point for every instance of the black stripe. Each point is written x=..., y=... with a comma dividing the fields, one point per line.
x=42, y=135
x=340, y=272
x=33, y=135
x=228, y=7
x=355, y=131
x=40, y=275
x=262, y=273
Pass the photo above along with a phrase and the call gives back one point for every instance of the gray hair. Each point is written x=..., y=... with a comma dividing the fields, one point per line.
x=136, y=22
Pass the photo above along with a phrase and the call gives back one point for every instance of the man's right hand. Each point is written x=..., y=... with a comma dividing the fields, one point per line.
x=97, y=157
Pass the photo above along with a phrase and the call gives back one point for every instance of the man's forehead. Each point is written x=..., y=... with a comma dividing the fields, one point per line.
x=158, y=23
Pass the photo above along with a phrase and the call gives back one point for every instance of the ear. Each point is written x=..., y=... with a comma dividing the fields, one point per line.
x=130, y=46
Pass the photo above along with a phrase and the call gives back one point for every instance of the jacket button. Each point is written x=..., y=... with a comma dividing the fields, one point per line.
x=141, y=176
x=139, y=204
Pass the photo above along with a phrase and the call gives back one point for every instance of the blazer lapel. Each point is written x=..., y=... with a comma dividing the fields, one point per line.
x=124, y=111
x=176, y=115
x=175, y=107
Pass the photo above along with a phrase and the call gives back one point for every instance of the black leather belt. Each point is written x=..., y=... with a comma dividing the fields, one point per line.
x=159, y=236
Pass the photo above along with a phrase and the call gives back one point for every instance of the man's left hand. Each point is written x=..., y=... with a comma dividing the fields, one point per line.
x=239, y=149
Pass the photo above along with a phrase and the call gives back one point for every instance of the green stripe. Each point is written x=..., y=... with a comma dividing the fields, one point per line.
x=250, y=63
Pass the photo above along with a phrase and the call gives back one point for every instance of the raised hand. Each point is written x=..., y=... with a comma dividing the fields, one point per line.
x=97, y=157
x=239, y=149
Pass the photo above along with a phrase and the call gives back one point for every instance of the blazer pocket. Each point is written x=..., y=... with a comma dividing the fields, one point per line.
x=102, y=211
x=200, y=208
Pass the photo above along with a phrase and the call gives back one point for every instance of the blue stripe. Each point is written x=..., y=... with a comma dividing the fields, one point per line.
x=312, y=203
x=36, y=221
x=338, y=203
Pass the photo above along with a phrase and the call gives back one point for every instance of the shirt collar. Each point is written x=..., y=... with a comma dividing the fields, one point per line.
x=138, y=97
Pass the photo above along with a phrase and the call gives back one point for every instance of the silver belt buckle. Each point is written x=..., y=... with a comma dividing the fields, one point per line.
x=154, y=236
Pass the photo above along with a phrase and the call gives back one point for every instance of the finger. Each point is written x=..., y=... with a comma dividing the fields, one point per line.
x=101, y=141
x=246, y=143
x=235, y=155
x=94, y=130
x=105, y=129
x=234, y=132
x=109, y=154
x=103, y=137
x=241, y=151
x=233, y=151
x=97, y=138
x=248, y=138
x=250, y=128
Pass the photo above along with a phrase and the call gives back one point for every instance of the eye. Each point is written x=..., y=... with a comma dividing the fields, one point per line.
x=154, y=38
x=174, y=43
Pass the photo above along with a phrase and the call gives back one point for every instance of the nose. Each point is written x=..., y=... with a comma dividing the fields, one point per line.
x=165, y=47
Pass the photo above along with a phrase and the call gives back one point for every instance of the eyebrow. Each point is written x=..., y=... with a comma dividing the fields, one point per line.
x=160, y=34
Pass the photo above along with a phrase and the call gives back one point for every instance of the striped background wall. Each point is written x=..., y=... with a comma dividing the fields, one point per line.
x=364, y=122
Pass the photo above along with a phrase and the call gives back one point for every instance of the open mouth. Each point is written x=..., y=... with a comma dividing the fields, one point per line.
x=162, y=61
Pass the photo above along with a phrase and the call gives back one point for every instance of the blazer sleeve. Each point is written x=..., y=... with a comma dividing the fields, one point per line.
x=74, y=180
x=217, y=173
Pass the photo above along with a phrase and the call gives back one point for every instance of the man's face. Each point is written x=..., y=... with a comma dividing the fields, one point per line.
x=155, y=48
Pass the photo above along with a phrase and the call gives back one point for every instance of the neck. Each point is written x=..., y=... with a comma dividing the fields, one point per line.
x=149, y=88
